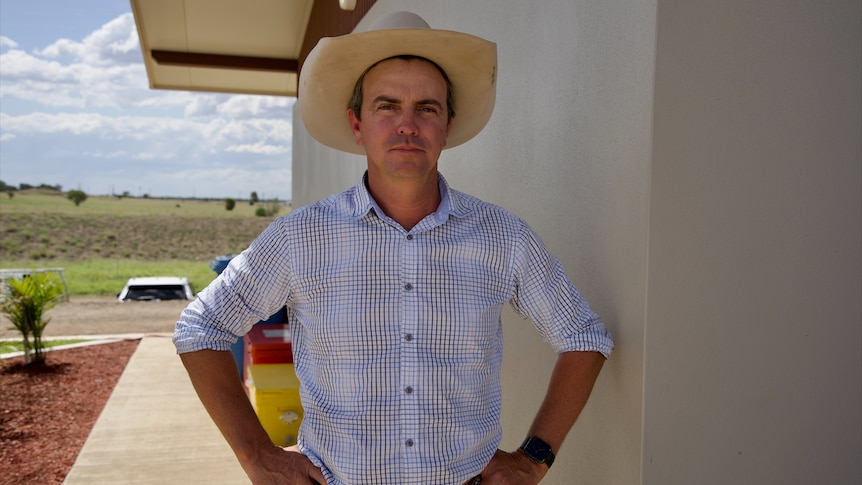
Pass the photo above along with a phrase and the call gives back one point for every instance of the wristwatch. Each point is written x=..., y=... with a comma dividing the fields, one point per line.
x=538, y=451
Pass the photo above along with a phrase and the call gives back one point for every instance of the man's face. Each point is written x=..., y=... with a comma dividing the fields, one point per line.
x=404, y=119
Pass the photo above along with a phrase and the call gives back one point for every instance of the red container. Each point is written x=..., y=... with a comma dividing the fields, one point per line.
x=267, y=344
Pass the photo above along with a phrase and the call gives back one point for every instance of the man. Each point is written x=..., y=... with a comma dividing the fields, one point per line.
x=394, y=288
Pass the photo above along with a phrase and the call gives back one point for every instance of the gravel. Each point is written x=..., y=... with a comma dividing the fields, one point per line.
x=104, y=315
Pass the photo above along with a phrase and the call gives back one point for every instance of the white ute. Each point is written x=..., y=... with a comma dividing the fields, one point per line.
x=157, y=288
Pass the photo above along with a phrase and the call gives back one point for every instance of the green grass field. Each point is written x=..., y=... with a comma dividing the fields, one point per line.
x=107, y=276
x=106, y=240
x=9, y=346
x=39, y=200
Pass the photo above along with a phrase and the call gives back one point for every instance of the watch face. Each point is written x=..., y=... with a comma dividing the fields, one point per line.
x=536, y=449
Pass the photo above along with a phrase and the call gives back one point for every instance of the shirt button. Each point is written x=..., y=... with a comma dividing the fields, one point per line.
x=410, y=237
x=408, y=390
x=408, y=337
x=408, y=287
x=409, y=443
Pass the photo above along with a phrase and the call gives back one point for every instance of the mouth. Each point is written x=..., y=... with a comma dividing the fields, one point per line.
x=407, y=148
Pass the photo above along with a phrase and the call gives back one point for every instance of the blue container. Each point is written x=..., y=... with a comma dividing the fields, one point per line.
x=220, y=262
x=237, y=349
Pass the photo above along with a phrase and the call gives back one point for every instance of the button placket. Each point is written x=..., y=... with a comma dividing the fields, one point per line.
x=410, y=299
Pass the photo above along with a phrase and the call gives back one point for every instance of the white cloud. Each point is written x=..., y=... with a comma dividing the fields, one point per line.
x=7, y=42
x=98, y=123
x=151, y=148
x=201, y=106
x=116, y=42
x=217, y=134
x=245, y=106
x=78, y=85
x=259, y=148
x=239, y=106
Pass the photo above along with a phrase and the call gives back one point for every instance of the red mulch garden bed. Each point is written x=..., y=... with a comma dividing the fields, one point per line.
x=47, y=411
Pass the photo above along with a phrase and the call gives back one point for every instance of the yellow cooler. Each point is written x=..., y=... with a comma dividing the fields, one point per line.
x=274, y=393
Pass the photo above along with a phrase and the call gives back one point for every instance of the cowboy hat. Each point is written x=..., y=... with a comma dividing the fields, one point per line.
x=332, y=68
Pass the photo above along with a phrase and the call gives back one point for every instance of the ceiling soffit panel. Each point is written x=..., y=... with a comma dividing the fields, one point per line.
x=222, y=45
x=260, y=28
x=233, y=46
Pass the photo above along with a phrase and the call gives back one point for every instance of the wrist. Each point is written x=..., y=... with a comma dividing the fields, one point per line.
x=527, y=461
x=537, y=451
x=254, y=454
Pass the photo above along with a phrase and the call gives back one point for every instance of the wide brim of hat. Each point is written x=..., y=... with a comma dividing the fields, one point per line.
x=331, y=69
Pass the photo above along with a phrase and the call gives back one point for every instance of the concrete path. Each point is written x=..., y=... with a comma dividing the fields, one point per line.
x=154, y=429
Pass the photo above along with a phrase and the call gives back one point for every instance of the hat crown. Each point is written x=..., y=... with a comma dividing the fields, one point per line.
x=398, y=20
x=331, y=69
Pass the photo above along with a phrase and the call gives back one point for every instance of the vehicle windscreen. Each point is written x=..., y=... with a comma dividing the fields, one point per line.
x=158, y=292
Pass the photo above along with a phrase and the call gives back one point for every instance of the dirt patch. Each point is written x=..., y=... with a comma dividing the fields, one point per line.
x=47, y=411
x=46, y=236
x=101, y=315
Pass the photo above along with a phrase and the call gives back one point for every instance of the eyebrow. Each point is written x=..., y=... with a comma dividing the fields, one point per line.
x=422, y=102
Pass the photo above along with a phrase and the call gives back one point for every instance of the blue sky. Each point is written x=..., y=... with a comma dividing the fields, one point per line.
x=76, y=110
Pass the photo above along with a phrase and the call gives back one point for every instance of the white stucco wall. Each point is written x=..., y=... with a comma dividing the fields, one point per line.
x=754, y=326
x=568, y=150
x=717, y=232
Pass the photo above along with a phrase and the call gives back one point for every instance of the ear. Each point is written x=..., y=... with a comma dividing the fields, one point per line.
x=354, y=126
x=448, y=129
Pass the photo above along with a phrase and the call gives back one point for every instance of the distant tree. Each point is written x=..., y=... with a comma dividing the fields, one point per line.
x=76, y=196
x=229, y=204
x=272, y=207
x=253, y=199
x=10, y=193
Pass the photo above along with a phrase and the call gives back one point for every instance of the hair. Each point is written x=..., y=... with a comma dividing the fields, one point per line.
x=356, y=100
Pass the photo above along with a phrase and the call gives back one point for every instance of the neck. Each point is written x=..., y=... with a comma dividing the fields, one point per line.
x=406, y=202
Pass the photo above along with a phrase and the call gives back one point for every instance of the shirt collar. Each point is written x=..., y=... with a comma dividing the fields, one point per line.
x=450, y=203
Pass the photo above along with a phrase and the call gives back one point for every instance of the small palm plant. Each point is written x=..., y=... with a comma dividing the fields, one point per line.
x=24, y=301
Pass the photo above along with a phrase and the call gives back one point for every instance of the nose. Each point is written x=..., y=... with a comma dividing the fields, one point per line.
x=407, y=125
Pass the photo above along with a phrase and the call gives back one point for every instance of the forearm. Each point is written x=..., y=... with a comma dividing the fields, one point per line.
x=218, y=385
x=569, y=388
